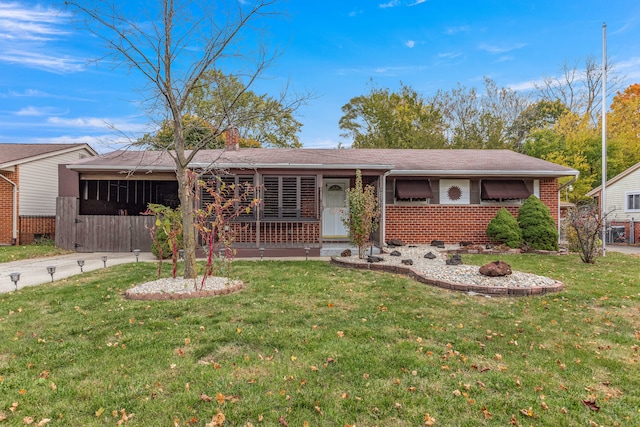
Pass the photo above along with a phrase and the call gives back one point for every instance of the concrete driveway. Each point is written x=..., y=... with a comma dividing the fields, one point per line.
x=625, y=249
x=34, y=271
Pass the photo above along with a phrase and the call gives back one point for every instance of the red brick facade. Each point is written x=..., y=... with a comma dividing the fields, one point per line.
x=6, y=207
x=32, y=228
x=453, y=224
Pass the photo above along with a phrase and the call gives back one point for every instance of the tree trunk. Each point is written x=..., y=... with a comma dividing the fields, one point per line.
x=188, y=230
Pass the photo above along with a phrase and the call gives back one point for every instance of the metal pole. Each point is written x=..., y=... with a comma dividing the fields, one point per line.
x=603, y=205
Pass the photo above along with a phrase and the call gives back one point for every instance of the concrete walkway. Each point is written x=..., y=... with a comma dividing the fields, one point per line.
x=34, y=271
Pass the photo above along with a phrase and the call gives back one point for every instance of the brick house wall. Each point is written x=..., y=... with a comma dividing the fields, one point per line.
x=453, y=224
x=6, y=207
x=33, y=228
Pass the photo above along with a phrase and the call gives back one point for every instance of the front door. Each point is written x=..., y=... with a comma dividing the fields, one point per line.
x=334, y=208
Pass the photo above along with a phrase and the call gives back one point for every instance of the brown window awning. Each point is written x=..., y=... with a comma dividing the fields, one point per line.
x=413, y=189
x=504, y=190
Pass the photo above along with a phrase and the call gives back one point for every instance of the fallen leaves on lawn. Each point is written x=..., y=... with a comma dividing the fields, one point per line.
x=591, y=404
x=528, y=412
x=217, y=420
x=429, y=420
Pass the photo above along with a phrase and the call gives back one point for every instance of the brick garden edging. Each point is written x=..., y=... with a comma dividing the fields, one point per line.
x=164, y=296
x=460, y=287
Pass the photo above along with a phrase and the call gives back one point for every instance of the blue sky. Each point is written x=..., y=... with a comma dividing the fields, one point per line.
x=51, y=92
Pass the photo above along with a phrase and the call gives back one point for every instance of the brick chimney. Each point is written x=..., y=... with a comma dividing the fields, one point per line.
x=232, y=139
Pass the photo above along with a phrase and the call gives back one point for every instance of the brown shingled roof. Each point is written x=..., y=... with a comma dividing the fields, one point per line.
x=399, y=161
x=16, y=153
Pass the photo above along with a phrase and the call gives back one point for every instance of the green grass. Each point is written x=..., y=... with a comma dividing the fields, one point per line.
x=310, y=342
x=35, y=250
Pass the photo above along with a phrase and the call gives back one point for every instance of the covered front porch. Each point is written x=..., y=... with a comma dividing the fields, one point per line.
x=299, y=215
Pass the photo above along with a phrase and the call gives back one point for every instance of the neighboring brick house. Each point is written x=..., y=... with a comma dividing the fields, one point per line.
x=448, y=195
x=622, y=198
x=29, y=187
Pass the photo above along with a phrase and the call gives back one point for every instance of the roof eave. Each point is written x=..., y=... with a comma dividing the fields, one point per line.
x=309, y=166
x=475, y=173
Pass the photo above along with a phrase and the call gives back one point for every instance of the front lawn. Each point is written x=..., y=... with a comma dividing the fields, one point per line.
x=35, y=250
x=308, y=343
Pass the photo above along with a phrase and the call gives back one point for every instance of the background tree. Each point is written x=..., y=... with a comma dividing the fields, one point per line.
x=264, y=119
x=195, y=131
x=578, y=86
x=386, y=119
x=173, y=50
x=541, y=115
x=624, y=123
x=480, y=120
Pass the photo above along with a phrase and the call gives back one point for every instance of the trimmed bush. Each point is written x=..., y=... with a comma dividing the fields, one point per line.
x=538, y=227
x=504, y=229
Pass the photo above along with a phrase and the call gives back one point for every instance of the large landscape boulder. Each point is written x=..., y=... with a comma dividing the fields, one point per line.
x=496, y=269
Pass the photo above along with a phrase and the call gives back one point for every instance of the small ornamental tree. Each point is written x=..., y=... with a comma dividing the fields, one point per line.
x=504, y=229
x=537, y=225
x=584, y=228
x=214, y=219
x=166, y=234
x=363, y=215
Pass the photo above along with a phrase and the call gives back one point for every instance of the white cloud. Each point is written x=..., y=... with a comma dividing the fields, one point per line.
x=28, y=34
x=526, y=85
x=52, y=63
x=630, y=68
x=392, y=3
x=410, y=43
x=455, y=30
x=355, y=13
x=417, y=2
x=448, y=55
x=493, y=49
x=31, y=111
x=117, y=124
x=505, y=58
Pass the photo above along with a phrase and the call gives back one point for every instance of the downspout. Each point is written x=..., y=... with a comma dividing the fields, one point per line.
x=15, y=208
x=562, y=187
x=383, y=220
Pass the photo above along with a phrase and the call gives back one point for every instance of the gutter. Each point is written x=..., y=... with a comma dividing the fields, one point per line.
x=492, y=173
x=15, y=208
x=152, y=168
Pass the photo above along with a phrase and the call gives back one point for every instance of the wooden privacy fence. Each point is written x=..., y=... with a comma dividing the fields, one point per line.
x=100, y=233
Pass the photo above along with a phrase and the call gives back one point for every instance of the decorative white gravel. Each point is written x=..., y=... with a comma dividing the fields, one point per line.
x=464, y=274
x=180, y=285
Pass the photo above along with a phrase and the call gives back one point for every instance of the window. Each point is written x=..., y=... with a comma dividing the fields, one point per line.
x=633, y=201
x=289, y=197
x=418, y=190
x=506, y=189
x=234, y=186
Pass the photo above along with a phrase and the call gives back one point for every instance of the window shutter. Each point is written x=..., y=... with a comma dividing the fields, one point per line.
x=270, y=197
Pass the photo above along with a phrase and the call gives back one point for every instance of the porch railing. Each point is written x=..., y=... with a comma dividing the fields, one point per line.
x=280, y=234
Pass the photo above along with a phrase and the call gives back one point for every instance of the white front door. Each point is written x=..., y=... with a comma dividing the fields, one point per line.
x=334, y=208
